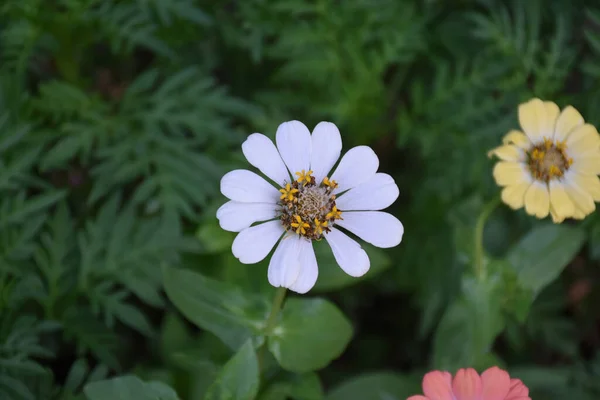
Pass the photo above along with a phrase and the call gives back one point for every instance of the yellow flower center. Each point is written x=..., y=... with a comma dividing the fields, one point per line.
x=548, y=160
x=304, y=176
x=287, y=193
x=327, y=182
x=300, y=226
x=308, y=208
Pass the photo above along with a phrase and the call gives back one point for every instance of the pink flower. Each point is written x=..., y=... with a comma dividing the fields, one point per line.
x=493, y=384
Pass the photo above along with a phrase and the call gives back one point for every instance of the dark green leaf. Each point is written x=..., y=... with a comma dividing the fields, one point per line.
x=376, y=386
x=331, y=276
x=239, y=378
x=221, y=308
x=294, y=386
x=213, y=237
x=128, y=388
x=516, y=300
x=543, y=253
x=469, y=325
x=77, y=374
x=32, y=205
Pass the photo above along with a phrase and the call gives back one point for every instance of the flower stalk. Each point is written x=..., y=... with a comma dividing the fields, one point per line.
x=271, y=320
x=478, y=259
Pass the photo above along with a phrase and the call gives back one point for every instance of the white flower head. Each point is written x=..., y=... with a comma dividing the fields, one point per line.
x=307, y=204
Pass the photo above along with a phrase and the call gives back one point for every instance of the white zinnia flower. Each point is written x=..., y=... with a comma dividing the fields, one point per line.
x=307, y=204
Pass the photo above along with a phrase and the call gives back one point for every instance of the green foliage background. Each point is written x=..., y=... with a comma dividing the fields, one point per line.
x=119, y=117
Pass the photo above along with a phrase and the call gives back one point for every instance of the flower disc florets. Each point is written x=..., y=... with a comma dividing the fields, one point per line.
x=308, y=208
x=548, y=160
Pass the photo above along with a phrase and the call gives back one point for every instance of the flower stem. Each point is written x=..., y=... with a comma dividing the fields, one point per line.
x=478, y=261
x=275, y=308
x=272, y=318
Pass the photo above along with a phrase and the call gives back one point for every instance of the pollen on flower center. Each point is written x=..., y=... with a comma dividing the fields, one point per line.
x=548, y=160
x=308, y=208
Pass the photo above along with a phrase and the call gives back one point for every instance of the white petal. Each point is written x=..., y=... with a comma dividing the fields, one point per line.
x=284, y=267
x=358, y=165
x=253, y=244
x=260, y=151
x=294, y=144
x=376, y=194
x=235, y=216
x=248, y=187
x=348, y=254
x=326, y=149
x=378, y=228
x=309, y=270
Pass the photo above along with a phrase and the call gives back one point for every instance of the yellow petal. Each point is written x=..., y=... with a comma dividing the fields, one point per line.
x=562, y=205
x=508, y=153
x=589, y=183
x=555, y=217
x=510, y=173
x=578, y=192
x=568, y=120
x=580, y=214
x=583, y=139
x=537, y=200
x=532, y=117
x=587, y=165
x=517, y=138
x=514, y=195
x=552, y=112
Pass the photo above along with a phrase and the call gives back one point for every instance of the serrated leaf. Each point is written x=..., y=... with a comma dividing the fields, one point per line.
x=24, y=208
x=91, y=335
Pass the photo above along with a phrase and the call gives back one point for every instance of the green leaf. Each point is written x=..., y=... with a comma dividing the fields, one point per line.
x=463, y=218
x=543, y=253
x=218, y=307
x=213, y=237
x=295, y=386
x=91, y=334
x=594, y=242
x=376, y=386
x=239, y=378
x=469, y=325
x=21, y=209
x=128, y=387
x=174, y=335
x=77, y=374
x=516, y=300
x=310, y=334
x=331, y=276
x=14, y=388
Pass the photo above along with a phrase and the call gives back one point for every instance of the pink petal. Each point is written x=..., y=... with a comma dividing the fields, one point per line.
x=517, y=390
x=495, y=383
x=467, y=384
x=418, y=397
x=438, y=385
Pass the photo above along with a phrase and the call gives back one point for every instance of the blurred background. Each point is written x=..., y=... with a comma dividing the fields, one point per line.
x=119, y=117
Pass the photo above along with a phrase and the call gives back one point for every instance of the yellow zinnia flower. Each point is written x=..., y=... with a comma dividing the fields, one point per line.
x=552, y=168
